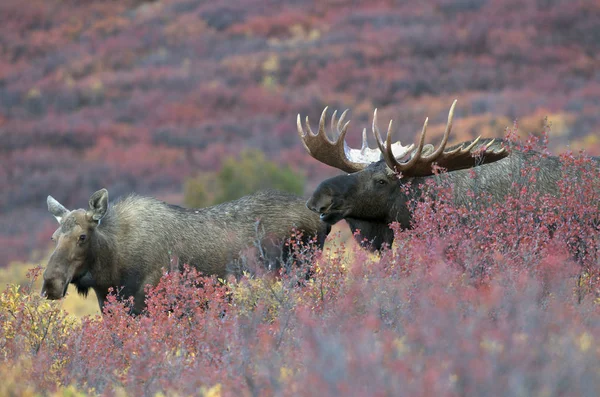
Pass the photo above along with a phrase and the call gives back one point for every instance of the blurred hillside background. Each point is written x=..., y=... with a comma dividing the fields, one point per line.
x=171, y=97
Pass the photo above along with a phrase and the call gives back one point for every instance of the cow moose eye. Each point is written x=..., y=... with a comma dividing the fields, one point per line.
x=381, y=182
x=82, y=238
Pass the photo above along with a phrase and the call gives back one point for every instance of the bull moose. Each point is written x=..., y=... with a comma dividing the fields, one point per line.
x=127, y=244
x=379, y=185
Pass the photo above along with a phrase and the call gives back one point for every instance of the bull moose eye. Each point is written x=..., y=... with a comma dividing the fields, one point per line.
x=82, y=238
x=381, y=181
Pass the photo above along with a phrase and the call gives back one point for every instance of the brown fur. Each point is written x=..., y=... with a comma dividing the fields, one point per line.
x=128, y=244
x=371, y=199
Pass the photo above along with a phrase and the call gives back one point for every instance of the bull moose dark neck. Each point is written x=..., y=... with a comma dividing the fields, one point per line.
x=372, y=195
x=371, y=199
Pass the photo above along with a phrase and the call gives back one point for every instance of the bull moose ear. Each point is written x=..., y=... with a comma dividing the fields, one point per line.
x=98, y=205
x=56, y=208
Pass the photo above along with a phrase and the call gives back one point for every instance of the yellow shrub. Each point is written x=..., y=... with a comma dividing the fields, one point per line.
x=260, y=290
x=15, y=273
x=15, y=378
x=30, y=323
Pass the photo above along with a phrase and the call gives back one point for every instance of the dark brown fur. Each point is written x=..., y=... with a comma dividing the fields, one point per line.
x=371, y=199
x=127, y=245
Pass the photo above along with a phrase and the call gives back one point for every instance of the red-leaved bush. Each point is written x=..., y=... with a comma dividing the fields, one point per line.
x=482, y=299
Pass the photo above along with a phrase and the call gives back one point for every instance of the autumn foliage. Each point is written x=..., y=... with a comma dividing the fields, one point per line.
x=138, y=96
x=484, y=299
x=475, y=300
x=240, y=176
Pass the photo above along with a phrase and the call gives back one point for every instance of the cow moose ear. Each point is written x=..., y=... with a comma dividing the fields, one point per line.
x=56, y=208
x=98, y=205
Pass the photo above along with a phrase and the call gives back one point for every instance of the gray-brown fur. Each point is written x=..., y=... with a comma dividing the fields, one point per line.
x=369, y=200
x=128, y=243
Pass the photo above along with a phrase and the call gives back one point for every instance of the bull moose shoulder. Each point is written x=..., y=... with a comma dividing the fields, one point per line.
x=379, y=184
x=126, y=245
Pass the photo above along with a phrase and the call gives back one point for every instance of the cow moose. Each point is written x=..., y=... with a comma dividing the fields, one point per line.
x=379, y=185
x=127, y=244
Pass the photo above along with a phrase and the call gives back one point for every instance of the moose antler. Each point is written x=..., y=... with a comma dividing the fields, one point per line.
x=337, y=153
x=420, y=164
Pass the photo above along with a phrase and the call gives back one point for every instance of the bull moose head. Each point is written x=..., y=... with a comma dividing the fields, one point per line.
x=372, y=194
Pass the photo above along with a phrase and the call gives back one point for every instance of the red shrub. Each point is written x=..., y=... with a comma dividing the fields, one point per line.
x=482, y=299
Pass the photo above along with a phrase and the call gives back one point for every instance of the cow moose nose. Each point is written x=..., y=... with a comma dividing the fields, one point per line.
x=53, y=289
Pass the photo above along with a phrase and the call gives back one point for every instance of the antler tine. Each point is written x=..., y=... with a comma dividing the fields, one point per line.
x=487, y=146
x=489, y=143
x=341, y=121
x=468, y=148
x=299, y=126
x=387, y=149
x=472, y=145
x=321, y=132
x=301, y=132
x=502, y=150
x=442, y=146
x=342, y=133
x=377, y=133
x=309, y=134
x=454, y=159
x=365, y=144
x=333, y=123
x=402, y=167
x=331, y=152
x=389, y=154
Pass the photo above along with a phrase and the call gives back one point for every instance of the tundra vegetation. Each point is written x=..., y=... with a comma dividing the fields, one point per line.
x=487, y=304
x=129, y=245
x=384, y=184
x=137, y=96
x=240, y=176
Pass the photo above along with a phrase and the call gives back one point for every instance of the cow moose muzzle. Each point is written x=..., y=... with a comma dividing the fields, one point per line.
x=54, y=287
